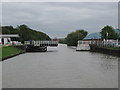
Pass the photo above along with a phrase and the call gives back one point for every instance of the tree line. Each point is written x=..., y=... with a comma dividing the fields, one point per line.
x=25, y=33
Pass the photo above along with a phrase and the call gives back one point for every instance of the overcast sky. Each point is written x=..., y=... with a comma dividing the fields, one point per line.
x=60, y=18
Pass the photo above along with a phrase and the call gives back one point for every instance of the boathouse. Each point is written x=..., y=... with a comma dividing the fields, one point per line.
x=95, y=38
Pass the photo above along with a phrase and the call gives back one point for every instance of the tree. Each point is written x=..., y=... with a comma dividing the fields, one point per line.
x=8, y=30
x=73, y=37
x=27, y=33
x=108, y=32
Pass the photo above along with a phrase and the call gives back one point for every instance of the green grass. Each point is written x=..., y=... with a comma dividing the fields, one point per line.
x=8, y=51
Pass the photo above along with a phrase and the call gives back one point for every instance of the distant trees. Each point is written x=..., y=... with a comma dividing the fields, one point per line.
x=25, y=33
x=73, y=37
x=108, y=32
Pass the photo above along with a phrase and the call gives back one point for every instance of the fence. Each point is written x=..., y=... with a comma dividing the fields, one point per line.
x=104, y=43
x=107, y=43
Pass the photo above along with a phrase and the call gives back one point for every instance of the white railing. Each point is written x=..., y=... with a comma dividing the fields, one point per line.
x=41, y=43
x=104, y=43
x=107, y=43
x=84, y=42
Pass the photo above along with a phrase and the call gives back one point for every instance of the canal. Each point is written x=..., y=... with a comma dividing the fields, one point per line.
x=61, y=67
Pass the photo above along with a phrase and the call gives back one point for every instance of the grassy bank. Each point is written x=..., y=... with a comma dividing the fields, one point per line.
x=9, y=51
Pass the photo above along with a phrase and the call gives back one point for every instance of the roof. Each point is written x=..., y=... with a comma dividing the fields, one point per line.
x=8, y=35
x=93, y=36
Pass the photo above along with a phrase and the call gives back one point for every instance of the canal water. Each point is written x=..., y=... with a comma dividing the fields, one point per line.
x=61, y=67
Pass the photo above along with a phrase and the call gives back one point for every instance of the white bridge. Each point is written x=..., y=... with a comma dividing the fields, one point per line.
x=39, y=45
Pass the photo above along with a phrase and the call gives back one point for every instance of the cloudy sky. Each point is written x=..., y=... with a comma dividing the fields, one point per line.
x=57, y=19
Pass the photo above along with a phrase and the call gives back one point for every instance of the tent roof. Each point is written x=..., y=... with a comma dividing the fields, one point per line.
x=93, y=36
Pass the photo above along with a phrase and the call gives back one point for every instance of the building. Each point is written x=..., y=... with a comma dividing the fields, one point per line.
x=5, y=39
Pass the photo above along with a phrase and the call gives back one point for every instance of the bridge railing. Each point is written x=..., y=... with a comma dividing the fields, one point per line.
x=41, y=43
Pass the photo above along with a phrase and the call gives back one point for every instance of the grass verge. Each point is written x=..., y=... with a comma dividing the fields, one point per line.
x=8, y=51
